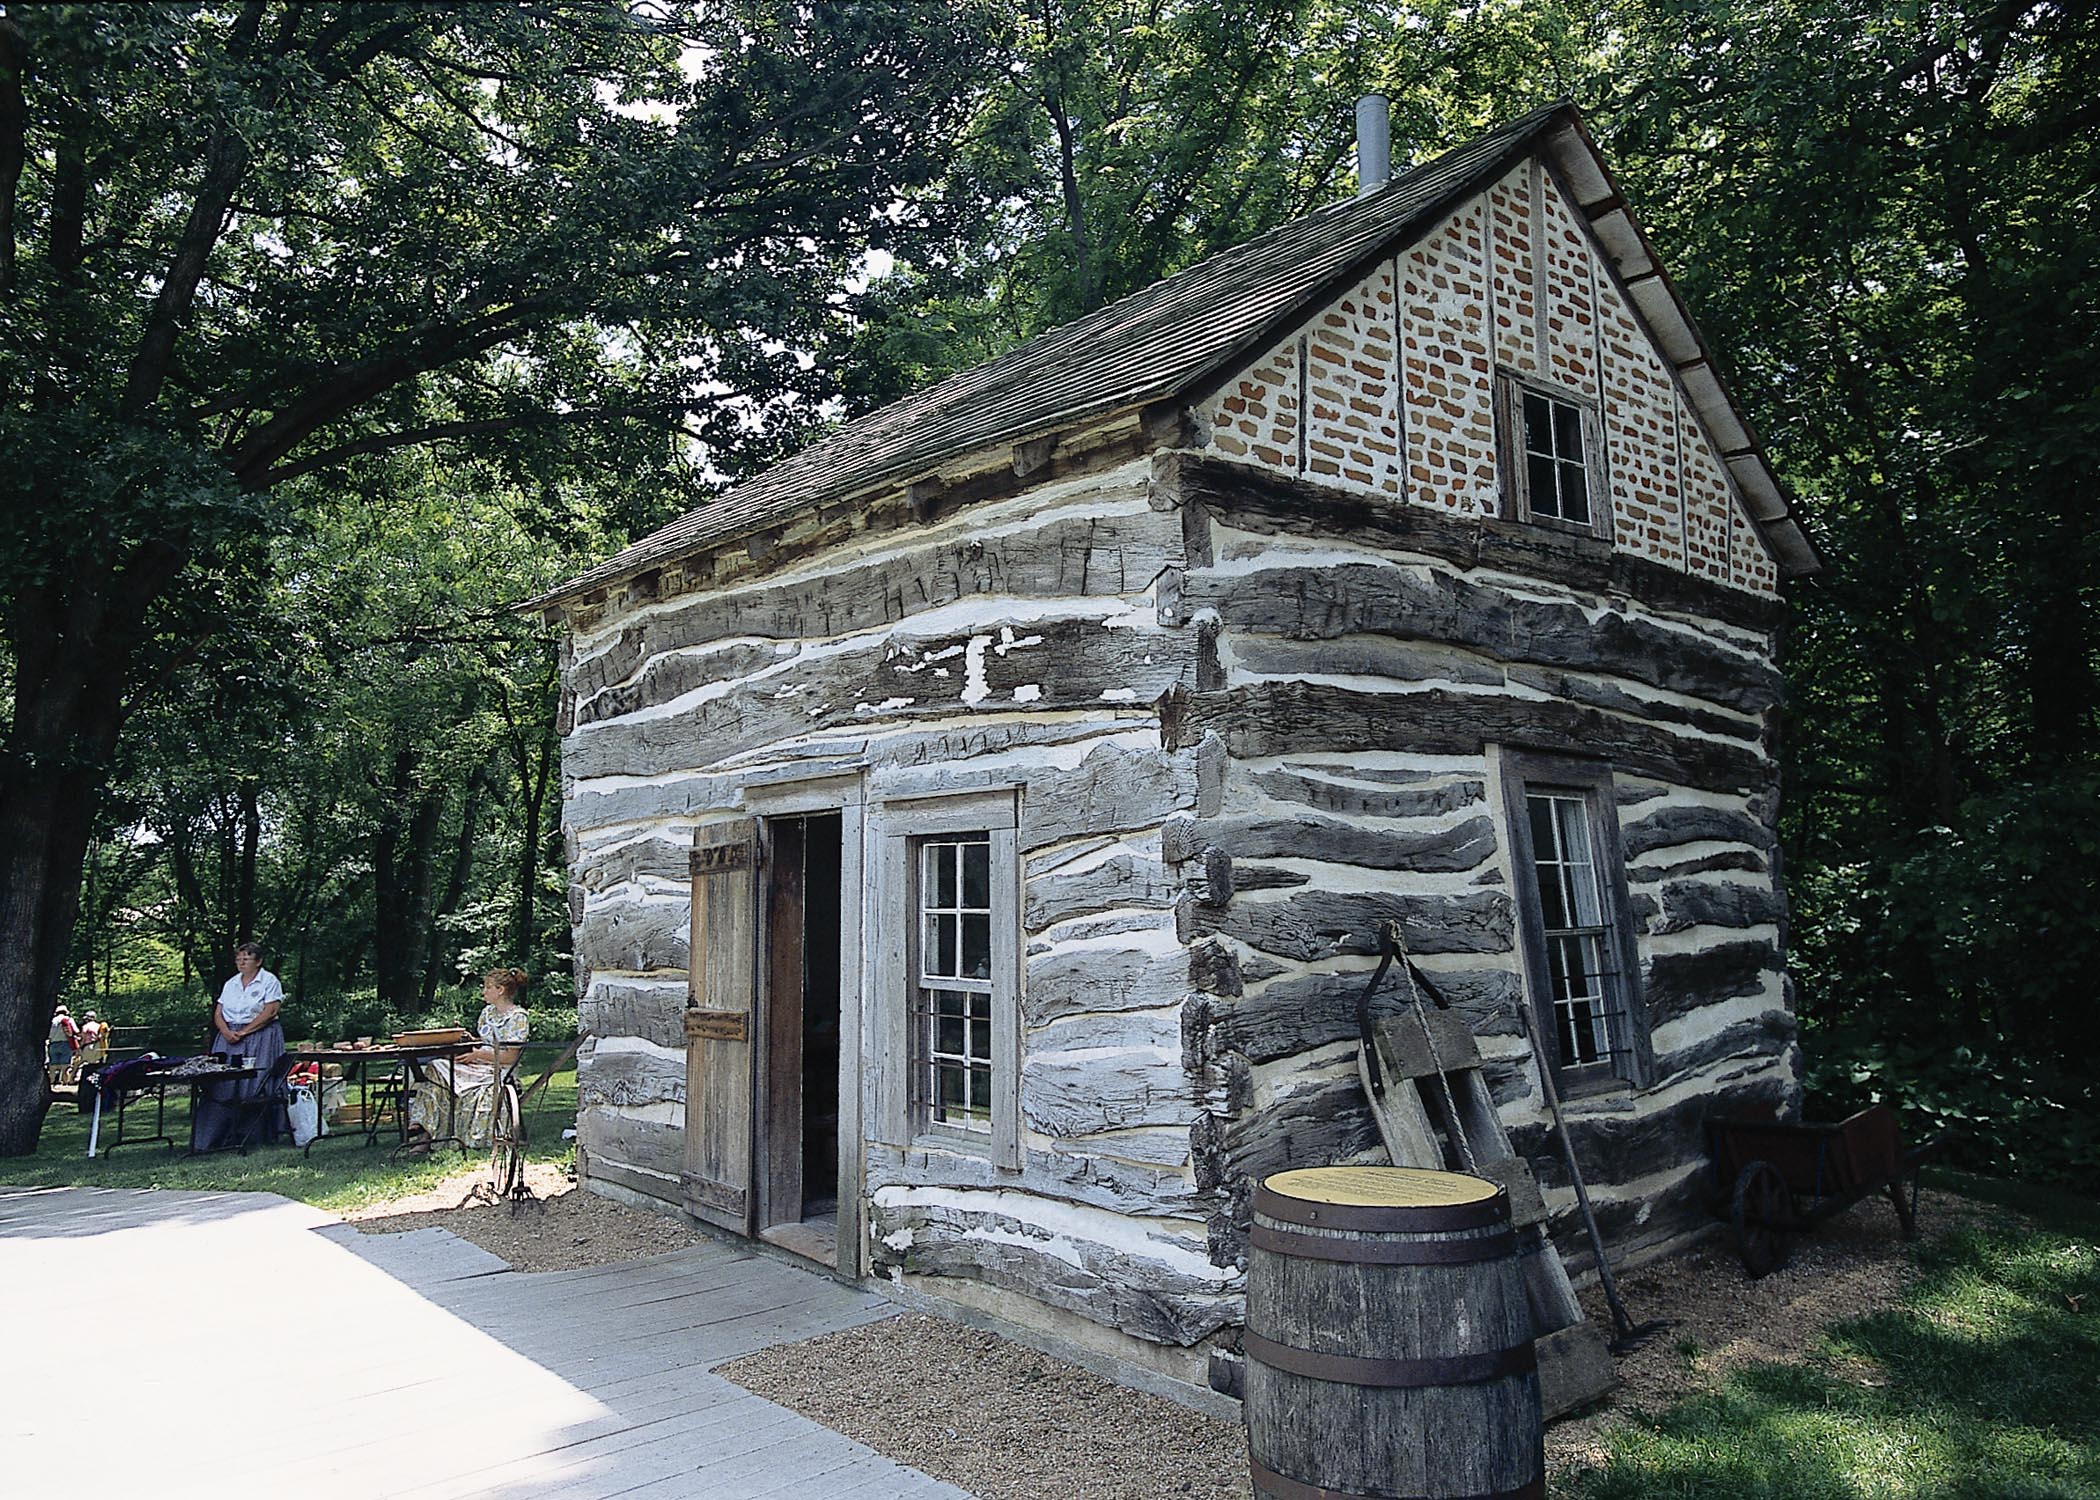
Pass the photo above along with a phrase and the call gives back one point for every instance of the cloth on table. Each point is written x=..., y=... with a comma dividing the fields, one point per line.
x=473, y=1100
x=132, y=1073
x=220, y=1109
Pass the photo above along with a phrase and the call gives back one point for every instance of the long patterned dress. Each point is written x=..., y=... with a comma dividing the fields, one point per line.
x=429, y=1107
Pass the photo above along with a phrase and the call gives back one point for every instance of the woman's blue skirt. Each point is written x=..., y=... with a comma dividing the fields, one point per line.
x=222, y=1105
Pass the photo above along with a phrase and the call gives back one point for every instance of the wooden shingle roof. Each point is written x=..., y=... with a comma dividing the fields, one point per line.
x=1178, y=333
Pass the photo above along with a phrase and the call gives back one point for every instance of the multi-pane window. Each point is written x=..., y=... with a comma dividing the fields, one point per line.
x=952, y=983
x=1581, y=974
x=1556, y=463
x=946, y=971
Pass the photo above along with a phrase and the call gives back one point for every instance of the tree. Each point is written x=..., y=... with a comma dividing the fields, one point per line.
x=245, y=246
x=1128, y=139
x=1885, y=216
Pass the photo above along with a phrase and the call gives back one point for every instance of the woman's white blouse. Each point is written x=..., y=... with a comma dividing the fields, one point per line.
x=241, y=1003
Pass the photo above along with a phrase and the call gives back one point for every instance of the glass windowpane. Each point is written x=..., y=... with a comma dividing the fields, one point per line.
x=1567, y=432
x=1576, y=928
x=1538, y=424
x=1553, y=908
x=1545, y=842
x=1545, y=500
x=976, y=947
x=1574, y=493
x=952, y=1027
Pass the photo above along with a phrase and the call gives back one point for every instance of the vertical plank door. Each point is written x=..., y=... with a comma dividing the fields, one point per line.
x=719, y=1025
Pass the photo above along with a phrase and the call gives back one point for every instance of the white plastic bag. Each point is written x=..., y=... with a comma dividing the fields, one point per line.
x=306, y=1115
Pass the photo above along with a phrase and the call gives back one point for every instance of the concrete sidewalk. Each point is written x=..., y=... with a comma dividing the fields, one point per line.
x=223, y=1344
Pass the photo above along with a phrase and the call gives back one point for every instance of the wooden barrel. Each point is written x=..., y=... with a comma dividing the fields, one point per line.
x=1388, y=1340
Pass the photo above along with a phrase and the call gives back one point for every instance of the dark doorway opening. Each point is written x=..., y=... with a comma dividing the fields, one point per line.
x=800, y=1113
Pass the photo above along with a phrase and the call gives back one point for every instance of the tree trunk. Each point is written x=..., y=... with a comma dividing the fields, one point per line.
x=455, y=884
x=402, y=845
x=68, y=708
x=535, y=775
x=251, y=840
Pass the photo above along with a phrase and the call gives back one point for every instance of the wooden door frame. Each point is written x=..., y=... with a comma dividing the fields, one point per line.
x=846, y=795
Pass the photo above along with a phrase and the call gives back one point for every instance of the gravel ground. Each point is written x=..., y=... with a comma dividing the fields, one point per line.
x=571, y=1228
x=997, y=1418
x=1721, y=1320
x=1008, y=1423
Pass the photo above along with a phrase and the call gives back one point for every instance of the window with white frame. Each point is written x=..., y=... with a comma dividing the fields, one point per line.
x=947, y=976
x=1552, y=447
x=1572, y=922
x=952, y=988
x=1578, y=935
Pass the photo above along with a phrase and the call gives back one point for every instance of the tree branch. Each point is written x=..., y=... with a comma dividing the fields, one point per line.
x=438, y=432
x=14, y=124
x=225, y=162
x=335, y=392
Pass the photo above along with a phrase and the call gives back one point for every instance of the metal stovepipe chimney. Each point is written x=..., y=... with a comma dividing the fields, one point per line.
x=1374, y=144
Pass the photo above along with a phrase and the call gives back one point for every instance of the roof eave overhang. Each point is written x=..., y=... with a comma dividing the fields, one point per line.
x=1582, y=168
x=612, y=573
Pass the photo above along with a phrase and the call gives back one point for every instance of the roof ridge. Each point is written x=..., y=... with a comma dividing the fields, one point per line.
x=1170, y=335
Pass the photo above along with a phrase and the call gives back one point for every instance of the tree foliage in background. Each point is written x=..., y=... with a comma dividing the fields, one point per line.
x=1128, y=139
x=247, y=249
x=1886, y=217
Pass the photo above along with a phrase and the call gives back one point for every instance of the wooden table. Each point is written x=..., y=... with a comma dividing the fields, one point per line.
x=394, y=1085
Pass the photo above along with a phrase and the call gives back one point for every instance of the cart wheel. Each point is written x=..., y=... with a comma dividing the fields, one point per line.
x=1763, y=1211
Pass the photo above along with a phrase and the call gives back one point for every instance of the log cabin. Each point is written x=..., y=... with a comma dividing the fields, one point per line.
x=980, y=822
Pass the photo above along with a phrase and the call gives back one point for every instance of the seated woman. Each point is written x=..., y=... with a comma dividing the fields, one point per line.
x=244, y=1024
x=464, y=1108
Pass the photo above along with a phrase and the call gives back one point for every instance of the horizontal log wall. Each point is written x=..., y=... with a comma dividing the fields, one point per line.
x=1023, y=644
x=1360, y=668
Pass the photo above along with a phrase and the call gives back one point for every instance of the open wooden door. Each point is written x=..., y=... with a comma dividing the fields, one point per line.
x=719, y=1025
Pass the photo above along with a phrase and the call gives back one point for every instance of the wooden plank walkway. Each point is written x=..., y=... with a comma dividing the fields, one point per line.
x=196, y=1344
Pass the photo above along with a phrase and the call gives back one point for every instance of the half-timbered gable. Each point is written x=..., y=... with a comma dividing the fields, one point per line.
x=981, y=823
x=1409, y=385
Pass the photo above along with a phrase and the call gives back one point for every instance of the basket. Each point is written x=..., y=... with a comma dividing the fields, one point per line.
x=435, y=1036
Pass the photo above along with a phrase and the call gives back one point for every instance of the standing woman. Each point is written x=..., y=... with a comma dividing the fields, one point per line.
x=64, y=1041
x=245, y=1023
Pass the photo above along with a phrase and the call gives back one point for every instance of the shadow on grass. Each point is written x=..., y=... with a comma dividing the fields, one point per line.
x=341, y=1172
x=1984, y=1385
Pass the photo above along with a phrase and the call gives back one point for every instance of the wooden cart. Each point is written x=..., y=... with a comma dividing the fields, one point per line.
x=1778, y=1180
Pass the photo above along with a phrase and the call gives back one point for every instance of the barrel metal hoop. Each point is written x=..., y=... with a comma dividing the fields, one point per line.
x=1383, y=1217
x=1286, y=1488
x=1406, y=1374
x=1382, y=1252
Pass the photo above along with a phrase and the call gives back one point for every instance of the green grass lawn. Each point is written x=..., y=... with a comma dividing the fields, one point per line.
x=340, y=1173
x=1983, y=1385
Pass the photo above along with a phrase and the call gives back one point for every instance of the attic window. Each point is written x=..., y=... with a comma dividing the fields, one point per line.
x=1551, y=468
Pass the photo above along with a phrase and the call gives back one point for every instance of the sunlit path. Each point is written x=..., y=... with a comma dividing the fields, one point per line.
x=237, y=1343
